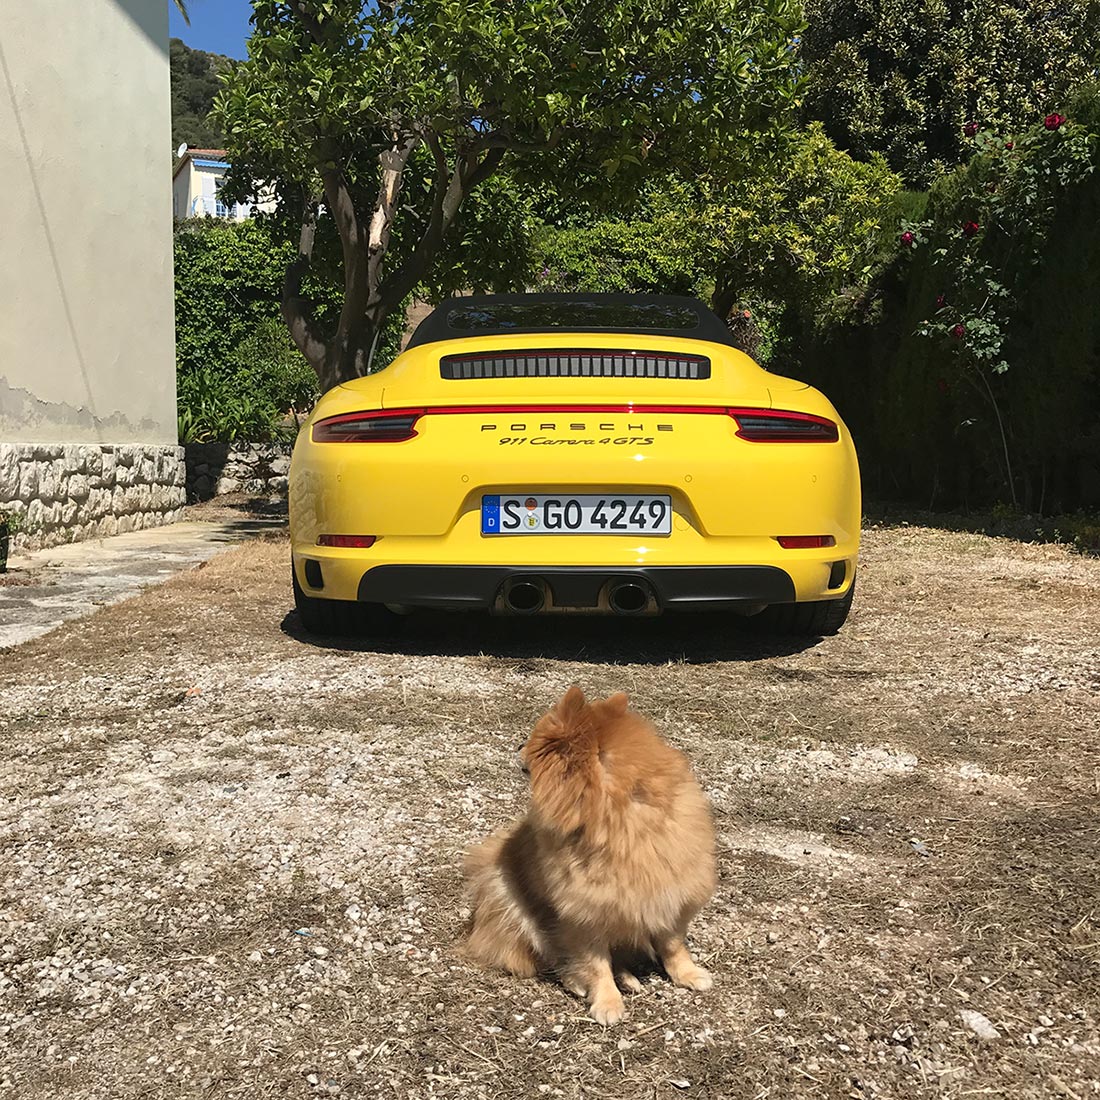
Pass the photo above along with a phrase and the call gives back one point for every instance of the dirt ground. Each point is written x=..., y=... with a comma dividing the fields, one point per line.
x=229, y=855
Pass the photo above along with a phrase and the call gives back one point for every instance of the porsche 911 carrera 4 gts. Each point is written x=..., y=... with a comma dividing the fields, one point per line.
x=616, y=454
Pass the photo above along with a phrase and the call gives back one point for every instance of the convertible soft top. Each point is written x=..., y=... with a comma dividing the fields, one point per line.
x=504, y=314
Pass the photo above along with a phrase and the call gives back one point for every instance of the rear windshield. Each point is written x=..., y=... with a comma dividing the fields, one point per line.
x=634, y=316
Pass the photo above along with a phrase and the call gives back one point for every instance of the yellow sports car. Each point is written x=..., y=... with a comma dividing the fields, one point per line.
x=536, y=453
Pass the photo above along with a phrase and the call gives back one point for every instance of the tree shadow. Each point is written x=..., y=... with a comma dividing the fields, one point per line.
x=687, y=638
x=1082, y=529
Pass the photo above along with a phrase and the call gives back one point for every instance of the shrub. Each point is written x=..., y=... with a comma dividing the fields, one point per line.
x=239, y=376
x=969, y=370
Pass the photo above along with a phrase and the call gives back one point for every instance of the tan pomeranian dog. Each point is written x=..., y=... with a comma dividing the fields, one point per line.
x=614, y=858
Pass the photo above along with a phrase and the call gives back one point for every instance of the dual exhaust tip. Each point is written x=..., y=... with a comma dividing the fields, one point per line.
x=527, y=596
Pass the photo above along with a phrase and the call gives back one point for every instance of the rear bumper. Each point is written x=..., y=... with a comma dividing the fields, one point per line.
x=478, y=587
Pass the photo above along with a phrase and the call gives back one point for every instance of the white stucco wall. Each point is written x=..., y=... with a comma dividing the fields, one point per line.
x=86, y=305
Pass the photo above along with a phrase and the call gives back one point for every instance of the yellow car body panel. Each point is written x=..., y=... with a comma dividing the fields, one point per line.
x=421, y=498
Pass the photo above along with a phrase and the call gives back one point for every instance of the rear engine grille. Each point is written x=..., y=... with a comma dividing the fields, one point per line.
x=574, y=364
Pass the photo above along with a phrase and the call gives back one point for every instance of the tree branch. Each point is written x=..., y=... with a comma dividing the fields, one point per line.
x=352, y=246
x=448, y=192
x=393, y=162
x=298, y=311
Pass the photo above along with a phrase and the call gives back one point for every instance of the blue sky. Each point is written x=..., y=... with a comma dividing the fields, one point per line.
x=220, y=26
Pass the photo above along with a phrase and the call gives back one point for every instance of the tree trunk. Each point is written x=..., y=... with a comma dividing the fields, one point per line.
x=725, y=294
x=371, y=294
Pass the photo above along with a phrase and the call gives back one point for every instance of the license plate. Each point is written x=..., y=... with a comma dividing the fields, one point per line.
x=589, y=514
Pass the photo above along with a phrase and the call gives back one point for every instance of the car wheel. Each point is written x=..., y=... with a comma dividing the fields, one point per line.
x=341, y=617
x=814, y=619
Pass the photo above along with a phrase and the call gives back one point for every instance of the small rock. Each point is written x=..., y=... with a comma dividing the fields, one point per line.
x=773, y=937
x=1046, y=1021
x=320, y=952
x=679, y=1082
x=981, y=1025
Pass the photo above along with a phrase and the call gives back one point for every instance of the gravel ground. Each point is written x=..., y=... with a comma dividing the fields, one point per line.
x=229, y=855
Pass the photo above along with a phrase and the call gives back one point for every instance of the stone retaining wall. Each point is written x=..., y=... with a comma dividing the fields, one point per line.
x=67, y=492
x=217, y=468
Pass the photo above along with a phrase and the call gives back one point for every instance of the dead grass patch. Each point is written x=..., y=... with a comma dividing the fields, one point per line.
x=230, y=854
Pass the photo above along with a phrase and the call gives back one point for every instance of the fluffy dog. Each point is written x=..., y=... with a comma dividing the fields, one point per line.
x=614, y=858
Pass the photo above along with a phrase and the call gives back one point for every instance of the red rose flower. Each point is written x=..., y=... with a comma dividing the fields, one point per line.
x=941, y=301
x=907, y=238
x=970, y=129
x=970, y=229
x=1052, y=122
x=1010, y=145
x=959, y=331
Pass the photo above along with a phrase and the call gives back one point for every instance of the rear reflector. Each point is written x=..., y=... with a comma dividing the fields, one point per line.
x=358, y=542
x=368, y=427
x=782, y=426
x=805, y=542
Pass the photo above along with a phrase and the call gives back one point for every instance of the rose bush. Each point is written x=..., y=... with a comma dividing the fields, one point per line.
x=997, y=299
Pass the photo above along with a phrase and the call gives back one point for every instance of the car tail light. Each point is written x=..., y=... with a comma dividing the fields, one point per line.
x=782, y=426
x=368, y=427
x=357, y=542
x=805, y=542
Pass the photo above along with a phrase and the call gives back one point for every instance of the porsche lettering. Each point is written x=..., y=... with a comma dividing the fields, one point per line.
x=573, y=426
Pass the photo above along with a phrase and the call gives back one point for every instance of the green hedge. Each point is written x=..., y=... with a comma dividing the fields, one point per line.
x=239, y=376
x=968, y=370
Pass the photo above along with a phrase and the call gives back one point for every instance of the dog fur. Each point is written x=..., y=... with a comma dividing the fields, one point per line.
x=612, y=861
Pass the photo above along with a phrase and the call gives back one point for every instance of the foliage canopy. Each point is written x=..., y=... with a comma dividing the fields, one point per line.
x=904, y=77
x=393, y=115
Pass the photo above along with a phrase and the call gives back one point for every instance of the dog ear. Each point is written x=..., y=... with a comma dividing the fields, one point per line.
x=619, y=701
x=571, y=706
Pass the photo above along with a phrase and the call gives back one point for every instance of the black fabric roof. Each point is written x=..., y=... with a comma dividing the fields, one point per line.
x=505, y=314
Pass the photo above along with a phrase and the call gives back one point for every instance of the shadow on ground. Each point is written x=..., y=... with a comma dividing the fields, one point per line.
x=1080, y=530
x=694, y=639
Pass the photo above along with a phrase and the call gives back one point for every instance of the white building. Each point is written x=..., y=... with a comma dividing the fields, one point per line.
x=88, y=434
x=196, y=187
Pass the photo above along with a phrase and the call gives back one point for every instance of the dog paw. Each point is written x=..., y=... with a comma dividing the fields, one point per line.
x=695, y=978
x=574, y=986
x=627, y=982
x=607, y=1010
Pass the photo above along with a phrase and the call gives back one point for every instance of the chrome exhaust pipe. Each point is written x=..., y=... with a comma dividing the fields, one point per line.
x=628, y=598
x=524, y=597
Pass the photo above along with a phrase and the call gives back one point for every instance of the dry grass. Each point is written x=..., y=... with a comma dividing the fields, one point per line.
x=228, y=854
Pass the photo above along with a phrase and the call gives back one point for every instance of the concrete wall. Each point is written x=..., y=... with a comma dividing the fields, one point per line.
x=86, y=309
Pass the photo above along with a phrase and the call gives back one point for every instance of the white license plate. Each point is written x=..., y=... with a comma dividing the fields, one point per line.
x=566, y=514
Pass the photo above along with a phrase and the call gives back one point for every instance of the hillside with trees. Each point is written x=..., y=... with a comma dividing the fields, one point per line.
x=194, y=76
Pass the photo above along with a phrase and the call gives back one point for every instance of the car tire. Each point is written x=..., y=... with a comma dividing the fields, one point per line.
x=341, y=617
x=818, y=618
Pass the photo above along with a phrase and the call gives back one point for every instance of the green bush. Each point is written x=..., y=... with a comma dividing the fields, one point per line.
x=969, y=370
x=905, y=79
x=215, y=407
x=239, y=376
